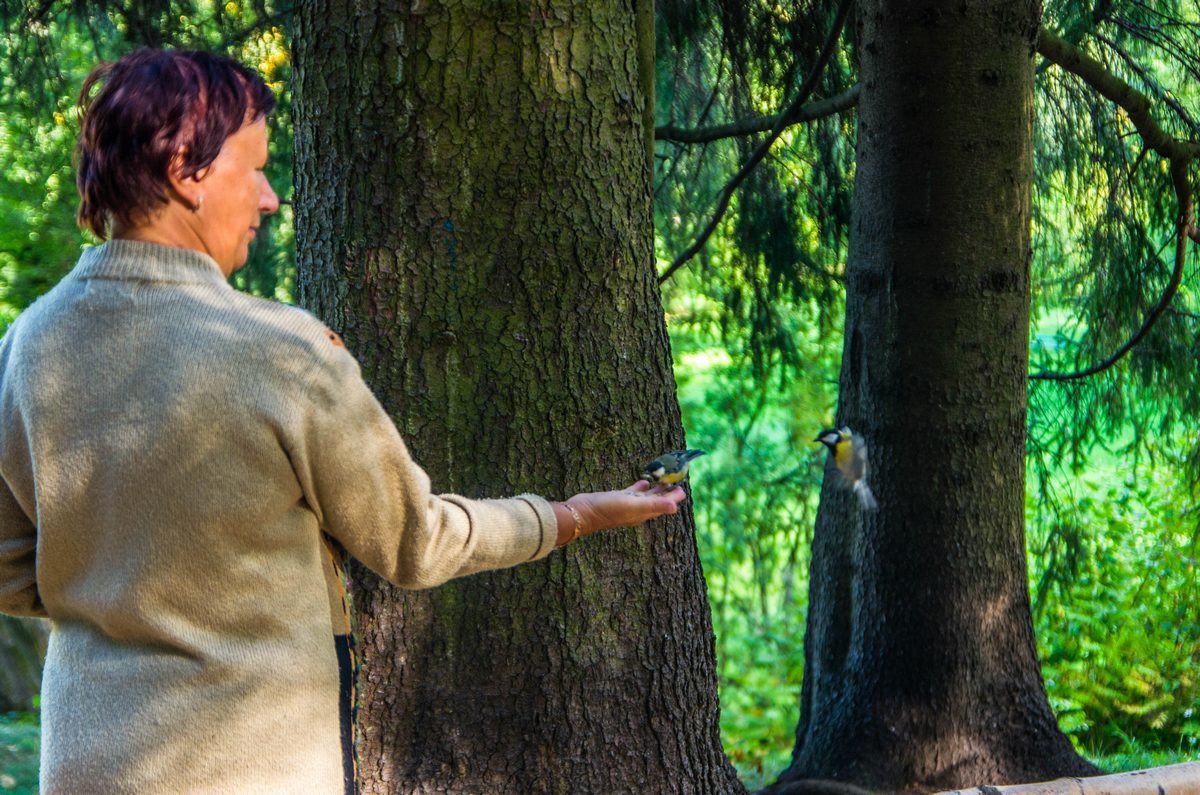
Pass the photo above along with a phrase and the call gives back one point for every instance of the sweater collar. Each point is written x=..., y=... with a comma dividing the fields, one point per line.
x=150, y=262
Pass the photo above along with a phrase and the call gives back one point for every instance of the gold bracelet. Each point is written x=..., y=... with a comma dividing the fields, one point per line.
x=578, y=522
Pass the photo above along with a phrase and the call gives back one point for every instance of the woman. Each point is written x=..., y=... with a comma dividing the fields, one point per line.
x=174, y=454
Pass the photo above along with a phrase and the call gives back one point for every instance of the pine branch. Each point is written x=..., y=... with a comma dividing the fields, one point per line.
x=1187, y=230
x=1141, y=72
x=1085, y=24
x=1116, y=90
x=806, y=113
x=1178, y=152
x=761, y=150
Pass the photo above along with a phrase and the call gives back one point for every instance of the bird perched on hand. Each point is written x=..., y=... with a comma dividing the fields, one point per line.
x=670, y=468
x=849, y=452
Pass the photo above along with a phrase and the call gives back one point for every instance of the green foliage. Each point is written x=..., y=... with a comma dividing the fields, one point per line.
x=755, y=505
x=38, y=238
x=1119, y=626
x=760, y=671
x=45, y=53
x=1135, y=757
x=1105, y=222
x=19, y=742
x=783, y=238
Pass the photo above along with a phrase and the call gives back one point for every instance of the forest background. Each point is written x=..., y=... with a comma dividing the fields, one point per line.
x=755, y=321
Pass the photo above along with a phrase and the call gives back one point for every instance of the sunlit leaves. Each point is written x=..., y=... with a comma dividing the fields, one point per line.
x=46, y=50
x=1105, y=227
x=783, y=239
x=757, y=502
x=1118, y=624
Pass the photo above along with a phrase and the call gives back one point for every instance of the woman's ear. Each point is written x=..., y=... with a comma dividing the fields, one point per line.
x=189, y=190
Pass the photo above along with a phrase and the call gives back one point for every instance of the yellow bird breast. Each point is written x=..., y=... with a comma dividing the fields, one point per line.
x=844, y=455
x=673, y=477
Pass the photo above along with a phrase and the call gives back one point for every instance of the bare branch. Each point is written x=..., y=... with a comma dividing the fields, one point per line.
x=761, y=150
x=806, y=113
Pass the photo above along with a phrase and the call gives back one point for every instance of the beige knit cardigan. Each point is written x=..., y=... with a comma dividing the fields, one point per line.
x=170, y=452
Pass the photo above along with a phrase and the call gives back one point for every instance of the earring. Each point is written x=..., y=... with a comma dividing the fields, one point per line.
x=199, y=203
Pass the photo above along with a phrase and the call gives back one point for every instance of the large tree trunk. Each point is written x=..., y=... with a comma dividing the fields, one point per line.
x=921, y=668
x=473, y=216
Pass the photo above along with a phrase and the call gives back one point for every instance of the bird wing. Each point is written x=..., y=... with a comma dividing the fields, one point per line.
x=860, y=455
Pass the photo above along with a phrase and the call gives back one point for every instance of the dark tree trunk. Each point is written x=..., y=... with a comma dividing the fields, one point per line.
x=473, y=216
x=921, y=668
x=22, y=652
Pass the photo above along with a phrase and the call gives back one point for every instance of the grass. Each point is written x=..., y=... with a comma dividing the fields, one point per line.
x=1139, y=759
x=19, y=740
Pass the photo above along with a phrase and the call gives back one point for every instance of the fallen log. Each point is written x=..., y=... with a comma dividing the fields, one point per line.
x=1183, y=779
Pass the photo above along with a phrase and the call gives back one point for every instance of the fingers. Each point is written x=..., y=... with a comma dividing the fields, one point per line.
x=673, y=494
x=650, y=505
x=664, y=502
x=672, y=499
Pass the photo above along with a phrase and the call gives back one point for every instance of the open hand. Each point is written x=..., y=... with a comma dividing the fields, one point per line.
x=630, y=506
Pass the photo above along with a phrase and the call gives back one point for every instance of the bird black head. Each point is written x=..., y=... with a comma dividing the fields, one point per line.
x=829, y=437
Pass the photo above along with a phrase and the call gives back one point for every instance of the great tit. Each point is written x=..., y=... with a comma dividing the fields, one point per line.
x=849, y=452
x=670, y=468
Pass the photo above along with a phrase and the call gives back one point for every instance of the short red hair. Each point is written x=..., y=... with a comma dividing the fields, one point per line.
x=152, y=107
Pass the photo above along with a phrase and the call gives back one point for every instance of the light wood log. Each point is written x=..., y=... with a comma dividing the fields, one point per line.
x=1182, y=779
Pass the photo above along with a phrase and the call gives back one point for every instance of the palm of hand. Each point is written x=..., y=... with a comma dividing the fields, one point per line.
x=631, y=506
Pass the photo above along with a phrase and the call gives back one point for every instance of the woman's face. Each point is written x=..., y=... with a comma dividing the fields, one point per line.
x=234, y=195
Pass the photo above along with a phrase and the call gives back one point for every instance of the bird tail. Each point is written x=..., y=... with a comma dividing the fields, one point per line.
x=865, y=497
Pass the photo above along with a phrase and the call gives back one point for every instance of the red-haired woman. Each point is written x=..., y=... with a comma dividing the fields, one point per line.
x=174, y=455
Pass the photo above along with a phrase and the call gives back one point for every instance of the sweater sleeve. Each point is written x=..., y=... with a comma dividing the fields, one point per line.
x=368, y=493
x=18, y=557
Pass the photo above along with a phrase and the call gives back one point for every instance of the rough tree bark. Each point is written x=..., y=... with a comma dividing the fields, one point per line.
x=473, y=216
x=22, y=652
x=921, y=671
